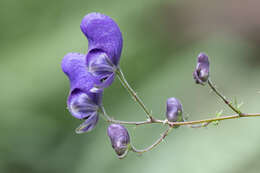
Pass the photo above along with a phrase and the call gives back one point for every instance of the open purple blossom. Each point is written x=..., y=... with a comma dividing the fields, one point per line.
x=105, y=46
x=119, y=138
x=81, y=103
x=201, y=73
x=174, y=110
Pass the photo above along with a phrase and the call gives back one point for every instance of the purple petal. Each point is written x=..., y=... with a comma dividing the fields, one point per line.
x=102, y=68
x=74, y=66
x=88, y=124
x=81, y=105
x=103, y=35
x=81, y=102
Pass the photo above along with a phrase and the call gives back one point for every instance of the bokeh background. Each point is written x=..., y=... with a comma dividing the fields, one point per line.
x=161, y=41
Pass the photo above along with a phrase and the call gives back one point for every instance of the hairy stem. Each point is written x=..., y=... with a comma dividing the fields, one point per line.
x=211, y=85
x=157, y=142
x=132, y=92
x=192, y=124
x=111, y=120
x=199, y=123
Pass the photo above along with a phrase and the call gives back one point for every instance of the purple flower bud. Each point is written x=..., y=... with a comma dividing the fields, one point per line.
x=201, y=73
x=119, y=138
x=105, y=46
x=82, y=103
x=174, y=110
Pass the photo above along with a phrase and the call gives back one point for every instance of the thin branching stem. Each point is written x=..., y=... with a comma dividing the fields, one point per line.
x=236, y=110
x=111, y=120
x=132, y=92
x=203, y=122
x=152, y=120
x=157, y=142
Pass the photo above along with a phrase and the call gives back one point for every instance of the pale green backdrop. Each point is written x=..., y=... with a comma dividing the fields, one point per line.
x=161, y=42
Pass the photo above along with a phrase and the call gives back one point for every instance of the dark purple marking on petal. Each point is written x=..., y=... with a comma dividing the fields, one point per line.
x=102, y=68
x=81, y=105
x=88, y=124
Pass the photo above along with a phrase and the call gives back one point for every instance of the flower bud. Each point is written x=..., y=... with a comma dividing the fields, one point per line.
x=174, y=110
x=119, y=138
x=201, y=73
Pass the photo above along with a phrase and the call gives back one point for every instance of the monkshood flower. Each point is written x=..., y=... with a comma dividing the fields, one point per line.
x=201, y=73
x=119, y=138
x=174, y=110
x=104, y=48
x=81, y=103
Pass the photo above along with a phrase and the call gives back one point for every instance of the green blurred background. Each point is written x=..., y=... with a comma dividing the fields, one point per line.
x=161, y=42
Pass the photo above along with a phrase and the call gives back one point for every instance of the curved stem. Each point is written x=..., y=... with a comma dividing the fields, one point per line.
x=214, y=119
x=111, y=120
x=198, y=123
x=157, y=142
x=211, y=85
x=132, y=92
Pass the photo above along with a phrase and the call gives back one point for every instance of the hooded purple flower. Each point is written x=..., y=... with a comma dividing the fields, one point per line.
x=81, y=103
x=119, y=138
x=174, y=110
x=201, y=73
x=105, y=46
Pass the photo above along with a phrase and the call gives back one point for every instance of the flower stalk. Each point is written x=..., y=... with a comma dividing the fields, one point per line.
x=134, y=95
x=236, y=110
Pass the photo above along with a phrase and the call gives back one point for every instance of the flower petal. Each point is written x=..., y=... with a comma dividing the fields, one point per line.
x=88, y=124
x=81, y=105
x=74, y=66
x=103, y=34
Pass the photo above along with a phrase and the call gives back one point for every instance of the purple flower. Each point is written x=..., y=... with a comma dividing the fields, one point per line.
x=201, y=73
x=105, y=46
x=81, y=103
x=174, y=110
x=119, y=138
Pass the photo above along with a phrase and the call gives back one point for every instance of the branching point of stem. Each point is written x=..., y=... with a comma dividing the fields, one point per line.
x=236, y=110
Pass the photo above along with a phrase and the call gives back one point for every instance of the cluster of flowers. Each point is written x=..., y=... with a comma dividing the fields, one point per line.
x=91, y=73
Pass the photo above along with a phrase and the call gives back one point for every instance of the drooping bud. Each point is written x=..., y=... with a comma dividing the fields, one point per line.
x=119, y=138
x=201, y=73
x=174, y=110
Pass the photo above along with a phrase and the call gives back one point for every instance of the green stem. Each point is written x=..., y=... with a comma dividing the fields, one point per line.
x=111, y=120
x=223, y=98
x=132, y=92
x=157, y=142
x=204, y=122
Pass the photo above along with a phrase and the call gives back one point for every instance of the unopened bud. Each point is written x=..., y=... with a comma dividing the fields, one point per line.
x=174, y=110
x=201, y=73
x=119, y=138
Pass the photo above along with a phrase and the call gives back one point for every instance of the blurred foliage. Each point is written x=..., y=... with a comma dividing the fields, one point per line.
x=161, y=42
